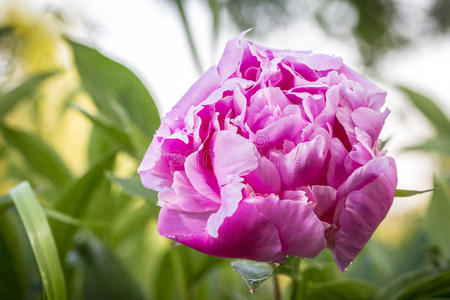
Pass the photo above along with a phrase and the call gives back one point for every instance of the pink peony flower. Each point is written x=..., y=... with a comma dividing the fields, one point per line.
x=273, y=153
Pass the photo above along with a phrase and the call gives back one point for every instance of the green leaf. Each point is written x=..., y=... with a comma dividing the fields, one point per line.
x=19, y=275
x=133, y=222
x=254, y=273
x=66, y=219
x=106, y=126
x=11, y=98
x=409, y=193
x=438, y=217
x=340, y=289
x=439, y=144
x=105, y=277
x=429, y=109
x=41, y=240
x=134, y=187
x=420, y=284
x=76, y=198
x=188, y=34
x=435, y=286
x=109, y=82
x=40, y=156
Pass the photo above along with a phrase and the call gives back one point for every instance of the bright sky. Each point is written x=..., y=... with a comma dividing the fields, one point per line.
x=147, y=36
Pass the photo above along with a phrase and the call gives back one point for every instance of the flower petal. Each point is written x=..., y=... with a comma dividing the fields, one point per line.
x=265, y=179
x=202, y=178
x=363, y=211
x=247, y=234
x=233, y=157
x=304, y=164
x=301, y=232
x=231, y=195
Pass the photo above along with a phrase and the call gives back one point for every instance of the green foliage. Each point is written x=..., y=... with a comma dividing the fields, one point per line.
x=430, y=110
x=438, y=218
x=409, y=193
x=104, y=275
x=39, y=155
x=41, y=240
x=9, y=99
x=348, y=289
x=133, y=187
x=116, y=91
x=440, y=145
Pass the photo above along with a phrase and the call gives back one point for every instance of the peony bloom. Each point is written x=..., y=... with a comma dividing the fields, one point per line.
x=273, y=153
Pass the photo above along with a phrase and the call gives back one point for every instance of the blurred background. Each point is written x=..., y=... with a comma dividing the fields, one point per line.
x=68, y=127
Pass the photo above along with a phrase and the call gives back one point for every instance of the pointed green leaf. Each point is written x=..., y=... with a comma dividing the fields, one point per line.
x=134, y=187
x=41, y=240
x=11, y=98
x=109, y=82
x=429, y=109
x=40, y=156
x=254, y=273
x=106, y=126
x=409, y=193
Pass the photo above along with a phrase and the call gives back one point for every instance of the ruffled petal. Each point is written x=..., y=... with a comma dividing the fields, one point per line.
x=303, y=165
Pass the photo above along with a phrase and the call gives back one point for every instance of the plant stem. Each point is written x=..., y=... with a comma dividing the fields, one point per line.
x=276, y=287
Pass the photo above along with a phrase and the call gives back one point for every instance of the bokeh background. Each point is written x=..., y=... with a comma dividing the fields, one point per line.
x=80, y=156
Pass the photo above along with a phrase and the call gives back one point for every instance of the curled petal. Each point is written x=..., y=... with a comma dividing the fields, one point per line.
x=247, y=234
x=362, y=212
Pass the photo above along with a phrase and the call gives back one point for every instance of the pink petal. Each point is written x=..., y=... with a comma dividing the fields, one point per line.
x=233, y=157
x=287, y=128
x=231, y=58
x=247, y=234
x=304, y=164
x=202, y=178
x=369, y=120
x=187, y=198
x=363, y=211
x=301, y=232
x=265, y=179
x=231, y=195
x=154, y=172
x=364, y=175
